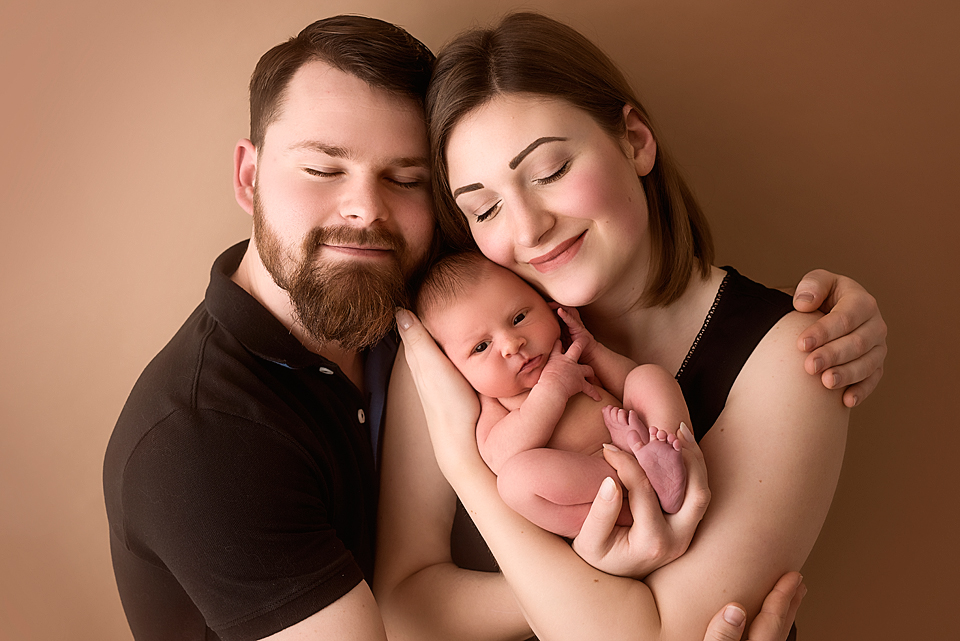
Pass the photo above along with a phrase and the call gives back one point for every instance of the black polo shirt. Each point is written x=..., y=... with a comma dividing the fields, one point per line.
x=240, y=481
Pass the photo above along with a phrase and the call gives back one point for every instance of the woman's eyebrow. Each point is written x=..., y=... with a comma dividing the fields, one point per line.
x=536, y=143
x=466, y=188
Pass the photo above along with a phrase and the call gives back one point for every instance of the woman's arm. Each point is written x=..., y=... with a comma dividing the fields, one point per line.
x=774, y=458
x=849, y=344
x=422, y=595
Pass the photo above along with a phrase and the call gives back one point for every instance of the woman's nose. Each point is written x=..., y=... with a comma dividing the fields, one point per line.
x=530, y=223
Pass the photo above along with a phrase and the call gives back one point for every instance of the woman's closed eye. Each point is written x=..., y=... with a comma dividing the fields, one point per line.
x=555, y=176
x=489, y=213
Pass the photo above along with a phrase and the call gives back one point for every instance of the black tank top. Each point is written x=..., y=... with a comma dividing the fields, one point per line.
x=742, y=314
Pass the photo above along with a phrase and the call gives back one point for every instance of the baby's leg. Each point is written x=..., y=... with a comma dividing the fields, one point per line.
x=554, y=489
x=658, y=409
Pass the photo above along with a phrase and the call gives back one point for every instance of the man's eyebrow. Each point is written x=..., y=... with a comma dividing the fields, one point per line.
x=315, y=145
x=466, y=188
x=536, y=143
x=421, y=162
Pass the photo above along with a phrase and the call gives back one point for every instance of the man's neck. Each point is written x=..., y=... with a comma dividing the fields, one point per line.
x=253, y=277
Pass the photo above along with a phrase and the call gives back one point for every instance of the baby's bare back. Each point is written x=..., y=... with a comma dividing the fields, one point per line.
x=581, y=427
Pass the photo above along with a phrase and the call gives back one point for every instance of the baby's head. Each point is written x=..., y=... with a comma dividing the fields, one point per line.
x=495, y=328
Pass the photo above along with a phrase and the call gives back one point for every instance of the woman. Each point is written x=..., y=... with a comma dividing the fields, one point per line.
x=547, y=160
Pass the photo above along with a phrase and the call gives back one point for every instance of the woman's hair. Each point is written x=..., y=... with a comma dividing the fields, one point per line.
x=528, y=53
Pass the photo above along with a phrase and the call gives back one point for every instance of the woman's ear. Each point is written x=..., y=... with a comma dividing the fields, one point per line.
x=245, y=174
x=640, y=140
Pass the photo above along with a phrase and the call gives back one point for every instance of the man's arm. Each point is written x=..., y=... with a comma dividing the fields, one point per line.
x=353, y=616
x=849, y=344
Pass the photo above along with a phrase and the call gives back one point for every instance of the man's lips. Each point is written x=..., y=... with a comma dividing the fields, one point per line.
x=368, y=251
x=559, y=255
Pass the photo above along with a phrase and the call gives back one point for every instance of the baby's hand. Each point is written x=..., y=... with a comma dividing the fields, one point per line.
x=571, y=318
x=564, y=370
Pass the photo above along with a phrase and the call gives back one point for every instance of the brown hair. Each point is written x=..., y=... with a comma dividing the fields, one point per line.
x=448, y=278
x=533, y=54
x=381, y=54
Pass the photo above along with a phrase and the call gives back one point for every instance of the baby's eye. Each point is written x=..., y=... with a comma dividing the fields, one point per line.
x=519, y=317
x=481, y=347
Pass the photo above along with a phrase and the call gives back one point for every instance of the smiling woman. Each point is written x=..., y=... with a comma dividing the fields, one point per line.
x=548, y=164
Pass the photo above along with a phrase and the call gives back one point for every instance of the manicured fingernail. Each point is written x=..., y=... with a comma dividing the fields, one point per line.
x=804, y=297
x=611, y=447
x=817, y=365
x=403, y=319
x=809, y=343
x=687, y=434
x=734, y=616
x=608, y=489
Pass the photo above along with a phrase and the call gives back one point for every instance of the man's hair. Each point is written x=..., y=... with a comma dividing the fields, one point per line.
x=381, y=54
x=528, y=53
x=449, y=278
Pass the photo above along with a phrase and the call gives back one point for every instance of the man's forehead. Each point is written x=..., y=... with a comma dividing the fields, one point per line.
x=322, y=105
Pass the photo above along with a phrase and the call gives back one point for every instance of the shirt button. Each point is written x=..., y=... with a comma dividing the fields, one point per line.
x=361, y=416
x=325, y=370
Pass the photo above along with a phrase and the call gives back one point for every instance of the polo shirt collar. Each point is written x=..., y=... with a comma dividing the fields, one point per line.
x=250, y=322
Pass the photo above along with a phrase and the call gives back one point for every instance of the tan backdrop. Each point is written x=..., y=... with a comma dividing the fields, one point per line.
x=817, y=133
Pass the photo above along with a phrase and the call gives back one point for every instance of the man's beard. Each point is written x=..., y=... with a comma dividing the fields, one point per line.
x=352, y=303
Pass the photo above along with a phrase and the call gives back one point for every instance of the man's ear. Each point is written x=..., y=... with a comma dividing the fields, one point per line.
x=244, y=174
x=640, y=140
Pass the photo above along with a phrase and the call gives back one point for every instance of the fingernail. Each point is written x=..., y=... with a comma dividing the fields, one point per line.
x=734, y=615
x=856, y=401
x=802, y=591
x=611, y=447
x=403, y=318
x=803, y=297
x=608, y=489
x=817, y=365
x=687, y=434
x=809, y=343
x=836, y=380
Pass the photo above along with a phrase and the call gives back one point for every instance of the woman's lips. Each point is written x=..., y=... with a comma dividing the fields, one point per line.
x=559, y=255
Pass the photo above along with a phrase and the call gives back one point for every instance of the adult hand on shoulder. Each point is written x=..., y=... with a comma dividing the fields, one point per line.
x=655, y=538
x=847, y=346
x=775, y=618
x=449, y=403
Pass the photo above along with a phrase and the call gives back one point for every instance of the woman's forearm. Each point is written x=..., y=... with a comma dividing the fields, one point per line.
x=445, y=602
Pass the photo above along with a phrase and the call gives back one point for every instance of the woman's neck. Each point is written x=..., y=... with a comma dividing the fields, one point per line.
x=661, y=335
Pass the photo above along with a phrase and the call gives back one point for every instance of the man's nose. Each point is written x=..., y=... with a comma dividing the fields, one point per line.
x=364, y=203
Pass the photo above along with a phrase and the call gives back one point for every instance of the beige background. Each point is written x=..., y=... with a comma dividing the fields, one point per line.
x=816, y=133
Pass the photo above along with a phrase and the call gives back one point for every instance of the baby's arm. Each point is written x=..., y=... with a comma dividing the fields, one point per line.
x=502, y=434
x=610, y=368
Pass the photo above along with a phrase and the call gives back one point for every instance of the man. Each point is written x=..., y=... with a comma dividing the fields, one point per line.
x=240, y=481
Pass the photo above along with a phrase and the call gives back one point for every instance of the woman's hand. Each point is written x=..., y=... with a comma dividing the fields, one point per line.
x=655, y=538
x=449, y=403
x=847, y=345
x=775, y=618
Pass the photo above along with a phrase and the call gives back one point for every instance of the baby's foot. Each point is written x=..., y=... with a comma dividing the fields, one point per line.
x=619, y=423
x=658, y=453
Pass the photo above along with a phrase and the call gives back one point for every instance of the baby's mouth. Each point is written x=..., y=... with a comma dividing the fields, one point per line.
x=531, y=364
